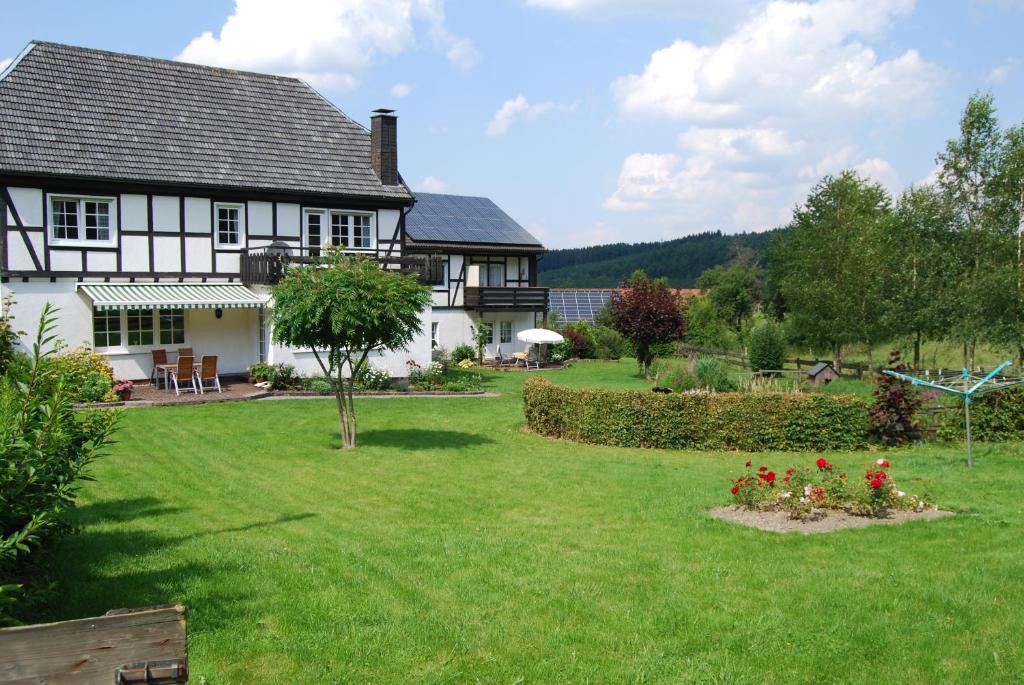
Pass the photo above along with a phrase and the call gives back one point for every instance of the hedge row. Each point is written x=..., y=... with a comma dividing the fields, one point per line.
x=994, y=418
x=721, y=421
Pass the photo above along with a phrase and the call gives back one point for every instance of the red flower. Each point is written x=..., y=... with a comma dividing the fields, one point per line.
x=876, y=483
x=821, y=462
x=789, y=472
x=786, y=479
x=769, y=477
x=735, y=490
x=762, y=469
x=884, y=463
x=747, y=464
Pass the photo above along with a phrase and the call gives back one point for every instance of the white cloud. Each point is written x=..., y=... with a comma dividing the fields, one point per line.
x=879, y=170
x=789, y=58
x=603, y=8
x=5, y=62
x=1001, y=72
x=738, y=144
x=400, y=90
x=519, y=108
x=327, y=42
x=432, y=184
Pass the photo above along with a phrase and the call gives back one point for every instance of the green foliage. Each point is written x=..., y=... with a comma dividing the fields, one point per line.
x=375, y=378
x=285, y=377
x=647, y=313
x=86, y=375
x=702, y=421
x=766, y=346
x=44, y=448
x=609, y=343
x=430, y=377
x=734, y=289
x=462, y=352
x=681, y=261
x=893, y=416
x=680, y=380
x=481, y=333
x=581, y=336
x=8, y=335
x=714, y=374
x=317, y=384
x=706, y=328
x=342, y=308
x=261, y=372
x=996, y=417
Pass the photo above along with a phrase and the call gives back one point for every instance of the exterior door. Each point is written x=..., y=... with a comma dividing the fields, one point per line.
x=496, y=275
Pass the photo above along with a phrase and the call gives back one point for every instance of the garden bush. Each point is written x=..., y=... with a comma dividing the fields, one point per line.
x=893, y=416
x=462, y=352
x=680, y=380
x=994, y=418
x=783, y=421
x=374, y=378
x=714, y=374
x=609, y=343
x=44, y=447
x=86, y=374
x=317, y=384
x=261, y=372
x=581, y=335
x=766, y=346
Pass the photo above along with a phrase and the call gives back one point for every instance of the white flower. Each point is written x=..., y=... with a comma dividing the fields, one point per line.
x=880, y=462
x=900, y=493
x=803, y=500
x=787, y=493
x=807, y=490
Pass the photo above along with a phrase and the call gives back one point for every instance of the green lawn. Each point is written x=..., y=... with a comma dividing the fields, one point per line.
x=454, y=547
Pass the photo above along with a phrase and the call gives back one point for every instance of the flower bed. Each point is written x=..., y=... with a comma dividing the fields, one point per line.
x=805, y=493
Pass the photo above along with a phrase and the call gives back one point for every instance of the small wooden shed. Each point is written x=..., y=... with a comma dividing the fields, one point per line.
x=822, y=373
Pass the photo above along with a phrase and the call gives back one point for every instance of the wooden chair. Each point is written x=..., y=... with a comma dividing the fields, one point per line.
x=523, y=356
x=185, y=352
x=159, y=358
x=207, y=373
x=184, y=369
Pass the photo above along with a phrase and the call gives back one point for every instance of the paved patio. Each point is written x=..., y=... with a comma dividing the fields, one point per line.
x=234, y=388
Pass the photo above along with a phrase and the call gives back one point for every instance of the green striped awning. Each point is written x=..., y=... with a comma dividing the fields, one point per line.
x=172, y=296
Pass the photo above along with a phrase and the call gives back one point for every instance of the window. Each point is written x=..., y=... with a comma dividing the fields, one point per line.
x=106, y=328
x=433, y=335
x=339, y=229
x=361, y=231
x=172, y=326
x=139, y=326
x=495, y=275
x=228, y=224
x=314, y=225
x=506, y=332
x=524, y=270
x=82, y=220
x=490, y=333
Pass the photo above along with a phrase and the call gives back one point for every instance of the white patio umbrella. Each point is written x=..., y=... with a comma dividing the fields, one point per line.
x=540, y=336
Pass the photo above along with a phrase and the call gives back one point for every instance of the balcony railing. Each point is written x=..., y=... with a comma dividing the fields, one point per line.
x=266, y=266
x=509, y=299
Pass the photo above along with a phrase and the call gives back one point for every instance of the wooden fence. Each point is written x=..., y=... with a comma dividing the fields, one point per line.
x=849, y=369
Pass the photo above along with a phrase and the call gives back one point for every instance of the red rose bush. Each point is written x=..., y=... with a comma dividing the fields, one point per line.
x=803, y=492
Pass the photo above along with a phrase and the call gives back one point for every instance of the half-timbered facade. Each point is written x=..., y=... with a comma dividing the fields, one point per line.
x=488, y=269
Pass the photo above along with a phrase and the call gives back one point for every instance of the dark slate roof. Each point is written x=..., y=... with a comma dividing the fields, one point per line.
x=70, y=111
x=460, y=219
x=818, y=368
x=578, y=304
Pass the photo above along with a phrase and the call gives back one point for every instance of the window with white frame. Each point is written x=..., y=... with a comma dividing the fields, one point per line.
x=139, y=326
x=106, y=328
x=82, y=220
x=505, y=332
x=433, y=335
x=339, y=229
x=314, y=231
x=172, y=326
x=362, y=238
x=229, y=224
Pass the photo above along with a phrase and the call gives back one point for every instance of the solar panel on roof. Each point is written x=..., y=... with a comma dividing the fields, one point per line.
x=462, y=219
x=577, y=305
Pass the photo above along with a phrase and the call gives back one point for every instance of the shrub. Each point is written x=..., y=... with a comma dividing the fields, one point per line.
x=580, y=346
x=766, y=346
x=462, y=352
x=714, y=374
x=462, y=382
x=374, y=378
x=86, y=374
x=609, y=343
x=681, y=380
x=705, y=328
x=285, y=378
x=892, y=416
x=782, y=421
x=44, y=447
x=8, y=336
x=429, y=378
x=261, y=372
x=559, y=352
x=802, y=492
x=317, y=384
x=664, y=349
x=994, y=418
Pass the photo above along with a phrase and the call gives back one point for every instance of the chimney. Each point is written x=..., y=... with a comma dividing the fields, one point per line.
x=384, y=145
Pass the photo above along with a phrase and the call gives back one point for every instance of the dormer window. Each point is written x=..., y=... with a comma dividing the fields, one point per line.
x=82, y=220
x=229, y=224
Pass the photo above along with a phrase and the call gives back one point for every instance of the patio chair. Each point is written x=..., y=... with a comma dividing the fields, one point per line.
x=207, y=373
x=523, y=356
x=185, y=352
x=532, y=359
x=185, y=372
x=501, y=360
x=159, y=358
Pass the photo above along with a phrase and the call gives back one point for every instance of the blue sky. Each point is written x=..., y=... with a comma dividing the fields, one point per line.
x=594, y=121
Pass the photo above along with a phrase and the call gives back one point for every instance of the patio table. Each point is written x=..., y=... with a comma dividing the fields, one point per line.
x=167, y=368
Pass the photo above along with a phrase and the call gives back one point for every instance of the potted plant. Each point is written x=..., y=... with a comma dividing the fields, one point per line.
x=123, y=389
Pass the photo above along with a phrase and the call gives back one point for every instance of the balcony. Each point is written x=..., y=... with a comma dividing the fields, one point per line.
x=266, y=266
x=506, y=299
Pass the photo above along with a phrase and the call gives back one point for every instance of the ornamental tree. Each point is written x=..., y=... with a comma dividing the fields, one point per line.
x=893, y=416
x=342, y=308
x=647, y=313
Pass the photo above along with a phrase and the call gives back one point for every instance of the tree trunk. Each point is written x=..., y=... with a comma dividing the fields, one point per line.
x=970, y=360
x=342, y=416
x=917, y=351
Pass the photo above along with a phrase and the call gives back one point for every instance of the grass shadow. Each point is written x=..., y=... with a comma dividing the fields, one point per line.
x=421, y=439
x=122, y=510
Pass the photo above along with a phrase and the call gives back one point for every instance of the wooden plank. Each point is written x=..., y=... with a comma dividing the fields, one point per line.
x=90, y=650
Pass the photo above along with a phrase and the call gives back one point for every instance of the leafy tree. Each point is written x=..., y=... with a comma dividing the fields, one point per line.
x=735, y=289
x=892, y=417
x=647, y=313
x=481, y=333
x=829, y=265
x=705, y=327
x=342, y=308
x=766, y=346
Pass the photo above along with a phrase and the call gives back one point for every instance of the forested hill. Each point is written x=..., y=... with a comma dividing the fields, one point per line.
x=681, y=260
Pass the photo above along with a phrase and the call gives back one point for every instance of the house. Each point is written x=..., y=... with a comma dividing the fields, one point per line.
x=822, y=373
x=155, y=203
x=488, y=269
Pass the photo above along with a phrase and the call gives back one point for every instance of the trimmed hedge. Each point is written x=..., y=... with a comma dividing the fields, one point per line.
x=721, y=421
x=994, y=418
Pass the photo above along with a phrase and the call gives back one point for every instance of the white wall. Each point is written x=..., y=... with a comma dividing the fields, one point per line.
x=454, y=328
